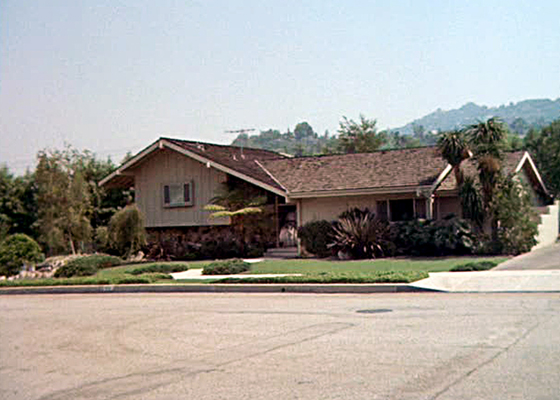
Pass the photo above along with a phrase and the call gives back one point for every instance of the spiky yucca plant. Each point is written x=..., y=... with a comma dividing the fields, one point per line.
x=360, y=235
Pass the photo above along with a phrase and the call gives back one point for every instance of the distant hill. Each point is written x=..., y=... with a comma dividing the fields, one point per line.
x=519, y=116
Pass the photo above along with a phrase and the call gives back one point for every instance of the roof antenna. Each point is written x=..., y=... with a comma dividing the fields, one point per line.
x=240, y=131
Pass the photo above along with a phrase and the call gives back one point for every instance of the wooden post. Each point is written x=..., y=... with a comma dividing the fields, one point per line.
x=276, y=221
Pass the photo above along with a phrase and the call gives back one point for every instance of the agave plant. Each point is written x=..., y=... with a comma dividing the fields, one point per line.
x=360, y=235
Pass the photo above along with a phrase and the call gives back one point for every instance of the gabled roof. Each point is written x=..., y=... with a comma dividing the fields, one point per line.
x=381, y=171
x=236, y=161
x=513, y=162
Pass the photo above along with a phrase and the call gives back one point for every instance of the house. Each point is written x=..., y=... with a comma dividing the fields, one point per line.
x=174, y=179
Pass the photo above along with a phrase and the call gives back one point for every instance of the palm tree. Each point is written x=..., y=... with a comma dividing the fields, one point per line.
x=454, y=149
x=488, y=140
x=237, y=200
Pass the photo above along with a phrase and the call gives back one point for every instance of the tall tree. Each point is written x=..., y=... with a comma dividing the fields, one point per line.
x=487, y=140
x=545, y=148
x=359, y=137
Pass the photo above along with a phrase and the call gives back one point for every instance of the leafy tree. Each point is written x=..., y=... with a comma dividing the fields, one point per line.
x=304, y=130
x=513, y=211
x=126, y=231
x=359, y=137
x=17, y=250
x=545, y=148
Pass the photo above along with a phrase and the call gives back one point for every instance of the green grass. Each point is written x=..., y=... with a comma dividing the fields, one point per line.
x=364, y=266
x=314, y=271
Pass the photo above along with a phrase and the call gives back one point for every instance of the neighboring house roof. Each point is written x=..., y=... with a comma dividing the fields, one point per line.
x=381, y=171
x=513, y=162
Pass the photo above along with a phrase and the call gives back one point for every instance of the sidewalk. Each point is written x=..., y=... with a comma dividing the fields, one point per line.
x=492, y=281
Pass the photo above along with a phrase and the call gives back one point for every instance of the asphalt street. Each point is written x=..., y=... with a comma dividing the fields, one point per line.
x=280, y=346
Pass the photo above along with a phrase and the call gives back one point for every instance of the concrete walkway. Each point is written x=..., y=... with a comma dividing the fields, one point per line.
x=545, y=258
x=197, y=274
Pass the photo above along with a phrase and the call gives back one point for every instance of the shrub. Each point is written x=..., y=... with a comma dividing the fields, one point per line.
x=17, y=250
x=475, y=266
x=159, y=268
x=316, y=237
x=87, y=265
x=360, y=235
x=226, y=267
x=221, y=249
x=512, y=209
x=450, y=236
x=126, y=230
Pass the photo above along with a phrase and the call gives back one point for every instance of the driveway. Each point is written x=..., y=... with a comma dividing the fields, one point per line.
x=541, y=259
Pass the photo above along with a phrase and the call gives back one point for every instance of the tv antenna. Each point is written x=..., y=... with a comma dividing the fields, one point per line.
x=240, y=131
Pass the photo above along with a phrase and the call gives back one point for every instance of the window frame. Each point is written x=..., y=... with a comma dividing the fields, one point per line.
x=187, y=190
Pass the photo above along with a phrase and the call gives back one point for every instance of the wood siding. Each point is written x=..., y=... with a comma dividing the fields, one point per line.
x=168, y=167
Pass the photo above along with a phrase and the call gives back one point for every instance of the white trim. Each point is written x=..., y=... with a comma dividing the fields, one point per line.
x=271, y=176
x=222, y=168
x=527, y=157
x=354, y=192
x=132, y=161
x=444, y=174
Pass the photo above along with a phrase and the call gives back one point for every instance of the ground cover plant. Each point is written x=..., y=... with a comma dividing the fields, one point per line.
x=87, y=265
x=475, y=266
x=159, y=268
x=226, y=267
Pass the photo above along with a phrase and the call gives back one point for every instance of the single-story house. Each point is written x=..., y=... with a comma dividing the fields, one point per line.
x=174, y=179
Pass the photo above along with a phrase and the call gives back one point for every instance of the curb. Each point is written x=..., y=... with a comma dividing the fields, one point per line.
x=218, y=288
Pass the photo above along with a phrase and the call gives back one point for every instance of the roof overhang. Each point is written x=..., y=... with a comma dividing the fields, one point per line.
x=416, y=190
x=163, y=143
x=526, y=158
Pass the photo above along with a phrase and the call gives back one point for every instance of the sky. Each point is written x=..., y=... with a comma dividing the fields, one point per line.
x=112, y=76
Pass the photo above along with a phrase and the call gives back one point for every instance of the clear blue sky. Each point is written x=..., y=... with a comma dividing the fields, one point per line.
x=112, y=76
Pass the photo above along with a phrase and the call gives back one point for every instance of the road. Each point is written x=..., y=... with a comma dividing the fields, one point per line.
x=281, y=346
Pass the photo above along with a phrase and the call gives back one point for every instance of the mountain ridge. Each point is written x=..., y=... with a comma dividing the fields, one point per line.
x=528, y=113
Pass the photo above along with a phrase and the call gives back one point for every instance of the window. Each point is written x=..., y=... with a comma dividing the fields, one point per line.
x=178, y=195
x=401, y=210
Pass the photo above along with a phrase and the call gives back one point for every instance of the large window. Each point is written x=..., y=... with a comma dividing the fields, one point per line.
x=178, y=194
x=402, y=210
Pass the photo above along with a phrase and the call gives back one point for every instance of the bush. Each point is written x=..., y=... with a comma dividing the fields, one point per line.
x=475, y=266
x=316, y=237
x=360, y=235
x=226, y=267
x=159, y=268
x=450, y=236
x=512, y=209
x=17, y=250
x=87, y=265
x=126, y=230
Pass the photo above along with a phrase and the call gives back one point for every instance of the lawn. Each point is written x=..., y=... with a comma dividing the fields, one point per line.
x=395, y=270
x=364, y=266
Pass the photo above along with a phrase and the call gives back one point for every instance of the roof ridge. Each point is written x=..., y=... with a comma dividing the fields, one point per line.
x=194, y=142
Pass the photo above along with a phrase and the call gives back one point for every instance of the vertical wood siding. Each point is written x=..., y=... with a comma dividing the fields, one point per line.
x=168, y=167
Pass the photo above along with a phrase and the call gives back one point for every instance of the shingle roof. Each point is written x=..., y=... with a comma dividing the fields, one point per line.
x=469, y=167
x=378, y=170
x=239, y=159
